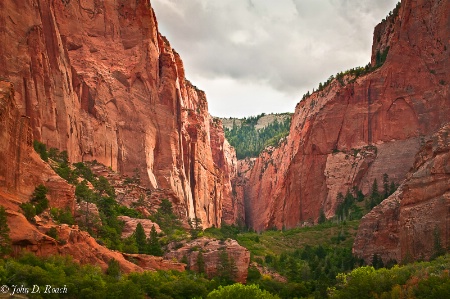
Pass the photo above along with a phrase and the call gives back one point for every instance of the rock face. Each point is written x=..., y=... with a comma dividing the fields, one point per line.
x=16, y=152
x=211, y=250
x=413, y=223
x=97, y=79
x=357, y=129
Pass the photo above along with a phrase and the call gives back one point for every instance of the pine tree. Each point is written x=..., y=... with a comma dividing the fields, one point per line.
x=200, y=263
x=141, y=239
x=154, y=248
x=5, y=241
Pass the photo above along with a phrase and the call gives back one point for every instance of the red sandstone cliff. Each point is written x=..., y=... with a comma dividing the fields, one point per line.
x=349, y=134
x=20, y=171
x=97, y=79
x=237, y=258
x=414, y=222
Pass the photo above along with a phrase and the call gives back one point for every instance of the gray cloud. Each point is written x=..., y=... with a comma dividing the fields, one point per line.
x=288, y=47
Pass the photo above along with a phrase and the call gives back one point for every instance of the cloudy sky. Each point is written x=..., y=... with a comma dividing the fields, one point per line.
x=254, y=56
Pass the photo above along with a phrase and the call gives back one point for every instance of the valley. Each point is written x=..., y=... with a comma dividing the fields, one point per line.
x=116, y=181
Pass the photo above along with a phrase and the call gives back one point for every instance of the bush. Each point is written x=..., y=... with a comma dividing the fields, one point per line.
x=239, y=291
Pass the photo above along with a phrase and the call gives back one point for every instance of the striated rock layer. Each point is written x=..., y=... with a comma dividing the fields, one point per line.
x=414, y=222
x=97, y=79
x=20, y=171
x=215, y=254
x=356, y=129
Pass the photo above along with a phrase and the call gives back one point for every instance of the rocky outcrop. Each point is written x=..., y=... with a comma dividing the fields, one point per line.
x=97, y=79
x=413, y=223
x=149, y=262
x=213, y=253
x=358, y=128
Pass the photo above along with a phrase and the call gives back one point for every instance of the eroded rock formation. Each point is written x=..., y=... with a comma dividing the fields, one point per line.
x=215, y=254
x=358, y=128
x=414, y=222
x=97, y=79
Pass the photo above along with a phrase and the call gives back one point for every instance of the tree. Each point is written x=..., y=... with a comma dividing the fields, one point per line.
x=200, y=262
x=39, y=198
x=113, y=269
x=322, y=217
x=154, y=248
x=166, y=207
x=5, y=241
x=141, y=239
x=227, y=267
x=375, y=197
x=196, y=227
x=238, y=291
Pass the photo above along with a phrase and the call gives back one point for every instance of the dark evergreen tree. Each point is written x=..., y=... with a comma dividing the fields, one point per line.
x=322, y=217
x=39, y=198
x=5, y=241
x=154, y=248
x=200, y=263
x=141, y=239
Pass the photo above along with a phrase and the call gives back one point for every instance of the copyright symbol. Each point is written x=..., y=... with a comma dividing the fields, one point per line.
x=4, y=289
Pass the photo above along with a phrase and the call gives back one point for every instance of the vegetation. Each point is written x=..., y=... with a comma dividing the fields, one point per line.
x=249, y=141
x=417, y=280
x=239, y=291
x=5, y=241
x=38, y=203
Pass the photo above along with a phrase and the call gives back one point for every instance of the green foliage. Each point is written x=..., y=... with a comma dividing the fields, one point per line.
x=29, y=211
x=417, y=280
x=41, y=149
x=39, y=198
x=114, y=269
x=380, y=57
x=196, y=227
x=52, y=232
x=168, y=222
x=226, y=269
x=141, y=239
x=250, y=142
x=238, y=291
x=154, y=248
x=200, y=263
x=62, y=216
x=38, y=203
x=322, y=217
x=5, y=241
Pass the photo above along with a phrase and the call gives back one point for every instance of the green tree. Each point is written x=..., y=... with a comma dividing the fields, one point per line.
x=41, y=149
x=114, y=269
x=196, y=227
x=239, y=291
x=154, y=248
x=322, y=217
x=141, y=239
x=200, y=262
x=5, y=241
x=39, y=198
x=227, y=267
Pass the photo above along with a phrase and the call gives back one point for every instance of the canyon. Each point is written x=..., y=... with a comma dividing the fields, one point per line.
x=98, y=80
x=357, y=127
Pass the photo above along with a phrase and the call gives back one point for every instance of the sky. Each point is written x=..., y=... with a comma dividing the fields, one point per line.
x=255, y=56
